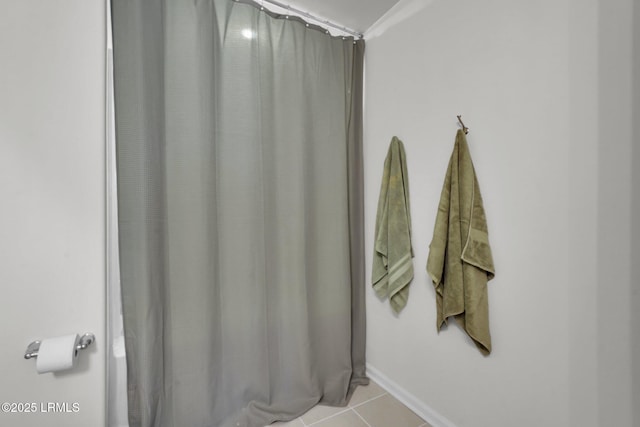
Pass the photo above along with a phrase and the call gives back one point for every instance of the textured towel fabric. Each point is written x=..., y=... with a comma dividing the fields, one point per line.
x=392, y=255
x=460, y=261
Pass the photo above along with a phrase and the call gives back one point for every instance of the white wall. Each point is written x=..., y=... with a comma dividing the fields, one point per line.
x=527, y=78
x=52, y=188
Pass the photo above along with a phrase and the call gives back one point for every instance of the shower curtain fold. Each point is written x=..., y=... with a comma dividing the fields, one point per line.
x=240, y=197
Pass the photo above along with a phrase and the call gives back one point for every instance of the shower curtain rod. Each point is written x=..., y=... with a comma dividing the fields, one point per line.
x=310, y=16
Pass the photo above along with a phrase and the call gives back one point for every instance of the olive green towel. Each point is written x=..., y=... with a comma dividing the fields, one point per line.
x=460, y=261
x=392, y=256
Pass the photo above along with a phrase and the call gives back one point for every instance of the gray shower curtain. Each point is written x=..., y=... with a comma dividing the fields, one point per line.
x=239, y=156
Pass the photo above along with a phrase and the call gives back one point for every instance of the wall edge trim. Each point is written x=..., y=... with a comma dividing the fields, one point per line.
x=421, y=409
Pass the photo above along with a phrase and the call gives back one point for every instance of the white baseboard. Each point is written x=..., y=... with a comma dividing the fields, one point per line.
x=421, y=409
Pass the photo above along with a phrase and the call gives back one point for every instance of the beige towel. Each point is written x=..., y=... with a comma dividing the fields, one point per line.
x=392, y=255
x=460, y=261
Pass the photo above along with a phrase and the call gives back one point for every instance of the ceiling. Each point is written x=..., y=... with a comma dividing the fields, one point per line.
x=357, y=15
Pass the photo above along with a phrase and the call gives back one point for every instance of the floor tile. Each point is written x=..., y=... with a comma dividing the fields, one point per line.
x=345, y=419
x=386, y=411
x=320, y=412
x=366, y=392
x=294, y=423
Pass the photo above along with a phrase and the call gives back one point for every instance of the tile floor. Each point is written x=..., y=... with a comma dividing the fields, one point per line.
x=370, y=406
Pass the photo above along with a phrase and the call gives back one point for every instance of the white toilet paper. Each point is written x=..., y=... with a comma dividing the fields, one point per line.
x=57, y=354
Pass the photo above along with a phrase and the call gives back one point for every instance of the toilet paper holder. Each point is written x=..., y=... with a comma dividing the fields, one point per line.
x=84, y=342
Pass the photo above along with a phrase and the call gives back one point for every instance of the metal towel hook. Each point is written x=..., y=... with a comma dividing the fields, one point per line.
x=464, y=128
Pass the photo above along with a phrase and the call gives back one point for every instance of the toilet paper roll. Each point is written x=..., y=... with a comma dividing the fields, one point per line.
x=57, y=354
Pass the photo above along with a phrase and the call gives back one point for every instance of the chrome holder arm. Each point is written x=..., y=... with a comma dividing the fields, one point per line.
x=84, y=342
